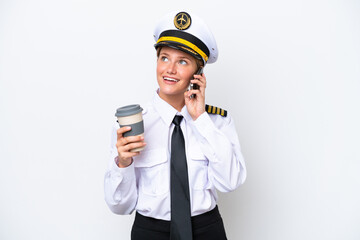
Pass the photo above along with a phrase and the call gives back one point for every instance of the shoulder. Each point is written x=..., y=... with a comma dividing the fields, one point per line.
x=219, y=116
x=148, y=109
x=149, y=113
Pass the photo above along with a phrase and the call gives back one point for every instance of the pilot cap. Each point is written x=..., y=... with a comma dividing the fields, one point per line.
x=188, y=33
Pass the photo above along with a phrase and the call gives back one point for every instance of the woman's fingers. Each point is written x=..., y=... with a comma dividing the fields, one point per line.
x=130, y=139
x=200, y=80
x=121, y=131
x=124, y=151
x=197, y=92
x=133, y=145
x=124, y=155
x=124, y=145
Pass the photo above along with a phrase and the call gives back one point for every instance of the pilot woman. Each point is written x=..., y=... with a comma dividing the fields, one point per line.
x=191, y=149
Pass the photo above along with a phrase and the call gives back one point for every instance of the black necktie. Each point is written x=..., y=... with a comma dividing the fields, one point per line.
x=180, y=195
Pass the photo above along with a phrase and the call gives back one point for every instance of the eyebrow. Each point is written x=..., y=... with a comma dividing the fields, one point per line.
x=179, y=57
x=184, y=57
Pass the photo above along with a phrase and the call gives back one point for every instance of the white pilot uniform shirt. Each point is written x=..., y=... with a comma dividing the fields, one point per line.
x=213, y=157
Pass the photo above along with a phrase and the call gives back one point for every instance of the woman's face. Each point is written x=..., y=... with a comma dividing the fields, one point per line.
x=174, y=71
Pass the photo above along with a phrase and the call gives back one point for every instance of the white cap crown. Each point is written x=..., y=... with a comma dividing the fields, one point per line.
x=188, y=33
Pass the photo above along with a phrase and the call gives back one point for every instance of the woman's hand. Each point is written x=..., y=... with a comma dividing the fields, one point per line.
x=125, y=144
x=196, y=105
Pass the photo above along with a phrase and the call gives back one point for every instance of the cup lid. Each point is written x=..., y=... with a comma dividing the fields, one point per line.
x=128, y=110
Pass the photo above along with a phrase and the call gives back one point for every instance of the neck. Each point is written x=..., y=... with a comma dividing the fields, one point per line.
x=176, y=101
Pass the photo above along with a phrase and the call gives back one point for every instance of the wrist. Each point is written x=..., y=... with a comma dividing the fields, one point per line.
x=123, y=164
x=197, y=115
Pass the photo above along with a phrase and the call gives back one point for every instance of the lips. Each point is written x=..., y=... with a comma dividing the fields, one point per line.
x=169, y=79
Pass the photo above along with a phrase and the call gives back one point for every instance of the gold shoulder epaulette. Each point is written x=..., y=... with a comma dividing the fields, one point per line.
x=215, y=110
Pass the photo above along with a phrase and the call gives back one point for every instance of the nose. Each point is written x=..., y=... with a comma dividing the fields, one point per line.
x=171, y=68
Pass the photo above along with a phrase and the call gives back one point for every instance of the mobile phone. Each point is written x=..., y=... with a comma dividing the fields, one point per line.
x=194, y=85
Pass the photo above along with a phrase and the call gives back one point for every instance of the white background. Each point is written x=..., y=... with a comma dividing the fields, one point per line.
x=288, y=71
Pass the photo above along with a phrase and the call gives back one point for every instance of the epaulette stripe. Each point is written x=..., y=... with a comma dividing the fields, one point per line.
x=215, y=110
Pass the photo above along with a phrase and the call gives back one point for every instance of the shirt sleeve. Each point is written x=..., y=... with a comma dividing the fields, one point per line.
x=221, y=146
x=119, y=183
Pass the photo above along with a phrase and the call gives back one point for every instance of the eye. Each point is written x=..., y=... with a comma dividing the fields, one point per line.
x=164, y=59
x=182, y=62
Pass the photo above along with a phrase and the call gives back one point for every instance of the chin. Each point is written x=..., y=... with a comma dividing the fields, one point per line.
x=171, y=92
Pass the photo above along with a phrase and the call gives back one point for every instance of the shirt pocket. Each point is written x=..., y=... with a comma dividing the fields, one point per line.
x=153, y=173
x=198, y=169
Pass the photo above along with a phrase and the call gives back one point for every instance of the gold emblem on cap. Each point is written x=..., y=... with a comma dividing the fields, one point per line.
x=182, y=21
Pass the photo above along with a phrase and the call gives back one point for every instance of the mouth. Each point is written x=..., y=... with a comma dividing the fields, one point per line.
x=171, y=80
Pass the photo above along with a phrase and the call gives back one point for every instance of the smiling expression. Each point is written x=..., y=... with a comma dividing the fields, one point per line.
x=174, y=71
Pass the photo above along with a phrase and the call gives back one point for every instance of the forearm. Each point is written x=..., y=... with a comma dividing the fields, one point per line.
x=120, y=189
x=226, y=168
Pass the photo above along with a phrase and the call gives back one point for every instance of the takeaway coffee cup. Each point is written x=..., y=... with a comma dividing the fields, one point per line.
x=131, y=115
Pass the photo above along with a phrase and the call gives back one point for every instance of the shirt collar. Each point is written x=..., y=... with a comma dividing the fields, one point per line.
x=184, y=112
x=167, y=112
